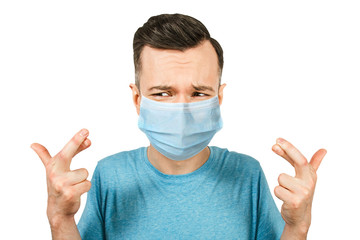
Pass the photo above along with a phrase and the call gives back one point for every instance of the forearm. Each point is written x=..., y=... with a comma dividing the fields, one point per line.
x=64, y=229
x=292, y=233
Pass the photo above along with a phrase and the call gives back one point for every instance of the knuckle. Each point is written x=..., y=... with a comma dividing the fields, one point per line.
x=81, y=174
x=312, y=183
x=62, y=155
x=293, y=151
x=50, y=167
x=87, y=186
x=286, y=144
x=85, y=172
x=51, y=175
x=296, y=203
x=281, y=177
x=303, y=162
x=41, y=152
x=59, y=186
x=87, y=143
x=77, y=139
x=313, y=180
x=306, y=193
x=277, y=190
x=68, y=195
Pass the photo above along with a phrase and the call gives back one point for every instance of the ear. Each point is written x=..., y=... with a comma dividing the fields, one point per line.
x=221, y=94
x=136, y=97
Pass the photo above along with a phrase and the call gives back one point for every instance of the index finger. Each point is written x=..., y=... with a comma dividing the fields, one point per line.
x=71, y=148
x=300, y=162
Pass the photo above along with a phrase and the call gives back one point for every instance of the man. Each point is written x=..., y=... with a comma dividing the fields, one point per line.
x=178, y=187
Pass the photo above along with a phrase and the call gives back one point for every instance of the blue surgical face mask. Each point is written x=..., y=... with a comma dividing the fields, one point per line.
x=180, y=130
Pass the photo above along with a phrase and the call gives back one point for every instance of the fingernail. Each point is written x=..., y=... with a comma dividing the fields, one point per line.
x=280, y=140
x=84, y=133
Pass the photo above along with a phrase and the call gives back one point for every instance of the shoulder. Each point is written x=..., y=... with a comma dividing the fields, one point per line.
x=122, y=161
x=235, y=158
x=235, y=163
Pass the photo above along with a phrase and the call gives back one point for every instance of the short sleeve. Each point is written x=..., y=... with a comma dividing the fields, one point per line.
x=91, y=224
x=270, y=222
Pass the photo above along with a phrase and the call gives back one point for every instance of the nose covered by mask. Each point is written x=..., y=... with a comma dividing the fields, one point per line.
x=180, y=130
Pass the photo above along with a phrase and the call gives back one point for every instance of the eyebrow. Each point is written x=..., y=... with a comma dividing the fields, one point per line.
x=203, y=88
x=196, y=87
x=160, y=87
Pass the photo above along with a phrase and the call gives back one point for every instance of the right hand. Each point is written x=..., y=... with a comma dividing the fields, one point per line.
x=63, y=185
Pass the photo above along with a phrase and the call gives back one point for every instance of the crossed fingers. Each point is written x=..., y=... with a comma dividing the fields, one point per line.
x=62, y=160
x=297, y=192
x=65, y=186
x=286, y=150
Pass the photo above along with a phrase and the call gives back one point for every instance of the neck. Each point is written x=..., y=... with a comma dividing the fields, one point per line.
x=172, y=167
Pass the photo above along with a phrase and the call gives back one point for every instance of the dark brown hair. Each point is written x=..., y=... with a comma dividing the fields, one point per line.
x=172, y=31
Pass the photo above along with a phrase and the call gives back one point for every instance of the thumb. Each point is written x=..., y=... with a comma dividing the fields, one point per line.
x=42, y=152
x=317, y=158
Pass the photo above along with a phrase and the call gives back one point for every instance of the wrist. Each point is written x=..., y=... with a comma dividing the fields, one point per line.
x=59, y=221
x=63, y=227
x=295, y=232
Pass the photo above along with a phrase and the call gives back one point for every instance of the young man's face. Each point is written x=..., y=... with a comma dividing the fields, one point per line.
x=174, y=76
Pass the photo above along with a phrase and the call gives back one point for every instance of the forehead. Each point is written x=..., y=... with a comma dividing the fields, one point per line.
x=201, y=52
x=196, y=64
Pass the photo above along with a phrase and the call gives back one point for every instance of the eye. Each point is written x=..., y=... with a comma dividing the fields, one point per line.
x=161, y=94
x=199, y=94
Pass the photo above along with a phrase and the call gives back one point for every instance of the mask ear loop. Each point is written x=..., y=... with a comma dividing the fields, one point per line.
x=142, y=99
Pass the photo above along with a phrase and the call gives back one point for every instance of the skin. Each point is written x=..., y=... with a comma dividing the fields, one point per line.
x=174, y=76
x=64, y=186
x=297, y=192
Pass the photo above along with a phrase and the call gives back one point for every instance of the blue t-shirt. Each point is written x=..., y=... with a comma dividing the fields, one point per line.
x=226, y=198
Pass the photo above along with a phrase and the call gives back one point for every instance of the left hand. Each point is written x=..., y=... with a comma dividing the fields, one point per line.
x=297, y=192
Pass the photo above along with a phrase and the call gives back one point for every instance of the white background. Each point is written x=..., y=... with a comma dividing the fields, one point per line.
x=291, y=68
